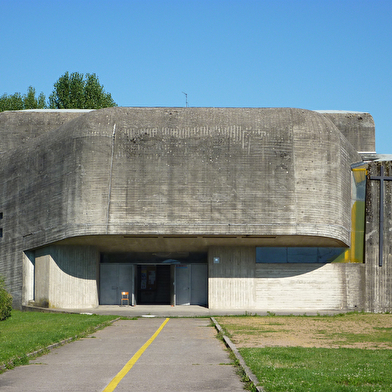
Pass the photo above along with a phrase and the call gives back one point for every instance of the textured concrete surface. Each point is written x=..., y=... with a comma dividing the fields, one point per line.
x=185, y=356
x=378, y=278
x=357, y=127
x=19, y=128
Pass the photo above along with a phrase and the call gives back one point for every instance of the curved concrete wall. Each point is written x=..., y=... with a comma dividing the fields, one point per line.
x=20, y=127
x=357, y=127
x=182, y=171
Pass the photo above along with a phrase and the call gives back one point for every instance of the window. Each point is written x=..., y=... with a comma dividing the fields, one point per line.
x=297, y=254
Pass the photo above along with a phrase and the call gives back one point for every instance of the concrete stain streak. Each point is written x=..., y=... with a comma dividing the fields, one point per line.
x=110, y=177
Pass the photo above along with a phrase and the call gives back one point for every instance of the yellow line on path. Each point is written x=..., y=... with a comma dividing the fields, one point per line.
x=113, y=384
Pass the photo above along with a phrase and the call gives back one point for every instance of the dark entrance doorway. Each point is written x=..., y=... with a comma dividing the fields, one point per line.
x=153, y=285
x=167, y=278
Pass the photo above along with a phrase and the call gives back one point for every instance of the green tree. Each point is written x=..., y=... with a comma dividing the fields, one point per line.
x=95, y=95
x=30, y=101
x=11, y=102
x=5, y=301
x=18, y=101
x=76, y=91
x=71, y=91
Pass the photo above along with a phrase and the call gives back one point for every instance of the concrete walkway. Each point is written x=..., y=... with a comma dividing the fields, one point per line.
x=185, y=356
x=180, y=311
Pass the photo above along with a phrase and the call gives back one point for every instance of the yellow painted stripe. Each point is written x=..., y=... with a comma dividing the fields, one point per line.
x=113, y=384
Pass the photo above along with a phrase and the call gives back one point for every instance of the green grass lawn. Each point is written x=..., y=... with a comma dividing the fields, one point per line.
x=25, y=332
x=299, y=369
x=355, y=354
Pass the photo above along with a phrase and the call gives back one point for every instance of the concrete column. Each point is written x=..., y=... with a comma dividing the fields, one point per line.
x=378, y=273
x=231, y=277
x=67, y=277
x=28, y=277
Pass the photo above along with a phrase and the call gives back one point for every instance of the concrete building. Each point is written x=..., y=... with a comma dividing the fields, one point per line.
x=237, y=208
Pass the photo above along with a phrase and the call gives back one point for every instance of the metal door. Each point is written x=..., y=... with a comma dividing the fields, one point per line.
x=115, y=278
x=199, y=284
x=183, y=293
x=126, y=281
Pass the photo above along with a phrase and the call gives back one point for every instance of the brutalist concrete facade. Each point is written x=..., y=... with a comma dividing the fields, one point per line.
x=144, y=190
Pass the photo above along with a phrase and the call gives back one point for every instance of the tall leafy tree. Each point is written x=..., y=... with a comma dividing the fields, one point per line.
x=30, y=101
x=76, y=91
x=11, y=102
x=71, y=91
x=18, y=101
x=95, y=95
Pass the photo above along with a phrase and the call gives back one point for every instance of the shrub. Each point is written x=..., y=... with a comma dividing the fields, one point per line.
x=5, y=301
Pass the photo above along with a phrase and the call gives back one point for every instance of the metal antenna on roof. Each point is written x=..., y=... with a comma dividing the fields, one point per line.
x=186, y=99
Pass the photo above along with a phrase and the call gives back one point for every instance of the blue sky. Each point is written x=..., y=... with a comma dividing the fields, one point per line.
x=311, y=54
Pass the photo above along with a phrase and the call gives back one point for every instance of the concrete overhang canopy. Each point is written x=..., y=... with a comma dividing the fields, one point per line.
x=187, y=171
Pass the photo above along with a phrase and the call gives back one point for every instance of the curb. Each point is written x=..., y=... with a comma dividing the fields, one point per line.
x=54, y=345
x=253, y=379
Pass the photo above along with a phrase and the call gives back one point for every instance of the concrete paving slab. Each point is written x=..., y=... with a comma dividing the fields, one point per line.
x=185, y=356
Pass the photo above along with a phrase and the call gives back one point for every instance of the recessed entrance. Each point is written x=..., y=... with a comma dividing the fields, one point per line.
x=154, y=278
x=153, y=285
